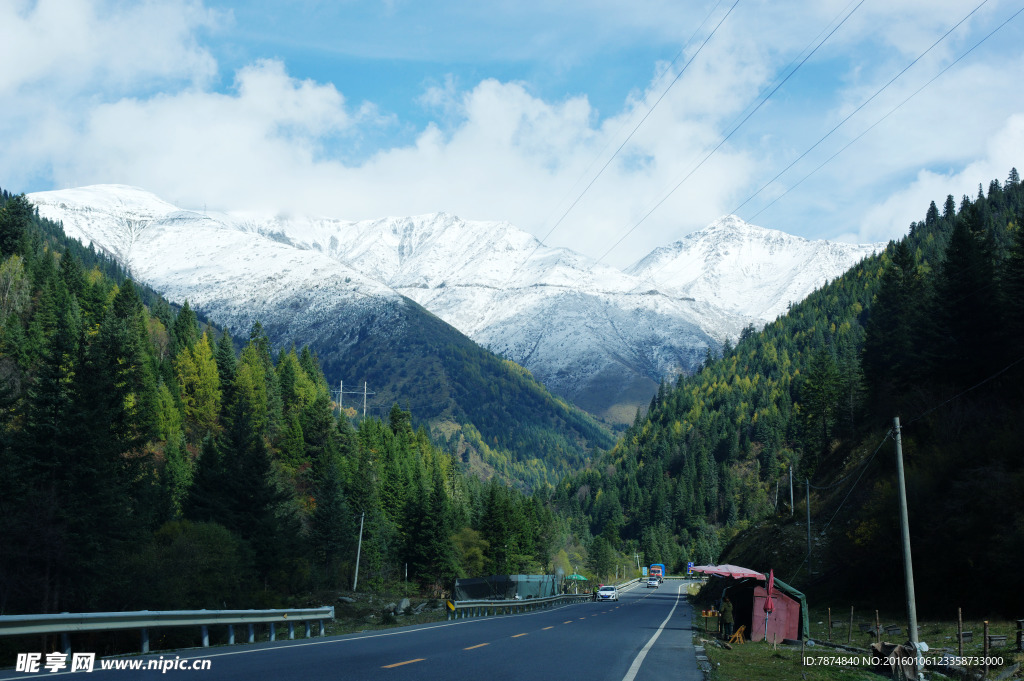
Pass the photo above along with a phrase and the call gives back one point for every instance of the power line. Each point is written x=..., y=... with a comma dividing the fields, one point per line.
x=854, y=486
x=863, y=104
x=863, y=469
x=891, y=111
x=964, y=392
x=630, y=136
x=887, y=436
x=729, y=135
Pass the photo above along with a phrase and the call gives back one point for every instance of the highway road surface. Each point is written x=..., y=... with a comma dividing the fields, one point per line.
x=645, y=636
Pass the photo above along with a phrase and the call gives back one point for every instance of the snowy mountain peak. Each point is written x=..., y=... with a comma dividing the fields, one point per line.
x=599, y=336
x=746, y=269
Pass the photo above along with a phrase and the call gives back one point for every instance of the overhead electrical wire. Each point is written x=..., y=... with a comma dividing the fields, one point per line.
x=728, y=136
x=862, y=105
x=891, y=111
x=633, y=132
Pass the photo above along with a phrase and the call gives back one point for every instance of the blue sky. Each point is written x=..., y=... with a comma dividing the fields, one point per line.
x=506, y=110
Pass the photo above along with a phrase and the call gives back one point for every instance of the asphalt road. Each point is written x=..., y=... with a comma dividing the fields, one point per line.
x=645, y=636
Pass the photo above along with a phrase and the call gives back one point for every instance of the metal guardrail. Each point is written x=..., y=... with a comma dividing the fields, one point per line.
x=464, y=609
x=67, y=623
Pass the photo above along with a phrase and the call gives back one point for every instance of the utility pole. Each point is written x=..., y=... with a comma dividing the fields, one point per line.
x=808, y=481
x=364, y=392
x=908, y=565
x=359, y=550
x=792, y=509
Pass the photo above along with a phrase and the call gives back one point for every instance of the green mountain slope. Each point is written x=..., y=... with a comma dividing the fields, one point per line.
x=489, y=411
x=931, y=330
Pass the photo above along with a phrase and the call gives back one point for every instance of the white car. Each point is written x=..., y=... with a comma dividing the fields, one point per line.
x=653, y=581
x=607, y=593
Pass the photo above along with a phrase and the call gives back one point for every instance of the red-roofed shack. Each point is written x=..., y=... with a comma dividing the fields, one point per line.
x=786, y=611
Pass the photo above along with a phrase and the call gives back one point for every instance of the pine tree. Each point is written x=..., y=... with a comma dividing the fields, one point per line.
x=1012, y=287
x=227, y=362
x=949, y=209
x=332, y=532
x=964, y=328
x=891, y=355
x=199, y=387
x=185, y=331
x=15, y=219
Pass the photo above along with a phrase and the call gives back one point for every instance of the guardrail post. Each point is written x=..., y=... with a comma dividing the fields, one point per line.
x=291, y=630
x=323, y=632
x=231, y=634
x=145, y=640
x=206, y=635
x=273, y=632
x=308, y=634
x=65, y=643
x=252, y=634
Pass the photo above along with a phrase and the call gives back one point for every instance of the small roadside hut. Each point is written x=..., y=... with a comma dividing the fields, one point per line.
x=771, y=609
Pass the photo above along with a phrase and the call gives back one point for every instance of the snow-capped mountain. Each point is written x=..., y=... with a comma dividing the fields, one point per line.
x=745, y=270
x=599, y=336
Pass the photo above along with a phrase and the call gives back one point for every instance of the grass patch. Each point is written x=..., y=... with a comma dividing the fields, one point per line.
x=761, y=662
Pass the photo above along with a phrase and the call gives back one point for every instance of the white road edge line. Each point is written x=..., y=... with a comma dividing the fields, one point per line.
x=635, y=667
x=196, y=653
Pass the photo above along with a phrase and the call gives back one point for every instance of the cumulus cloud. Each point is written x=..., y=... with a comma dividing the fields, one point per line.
x=68, y=47
x=129, y=94
x=891, y=218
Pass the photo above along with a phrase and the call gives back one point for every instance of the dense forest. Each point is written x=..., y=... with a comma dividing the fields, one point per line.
x=146, y=462
x=931, y=330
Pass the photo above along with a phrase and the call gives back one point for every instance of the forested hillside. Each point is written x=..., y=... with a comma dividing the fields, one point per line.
x=145, y=463
x=490, y=412
x=931, y=330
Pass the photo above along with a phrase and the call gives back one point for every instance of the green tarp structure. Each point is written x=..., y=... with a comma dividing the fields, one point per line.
x=805, y=620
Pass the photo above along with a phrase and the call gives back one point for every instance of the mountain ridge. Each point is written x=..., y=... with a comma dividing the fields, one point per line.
x=598, y=336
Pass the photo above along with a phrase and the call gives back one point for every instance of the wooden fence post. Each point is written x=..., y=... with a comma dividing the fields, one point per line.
x=959, y=632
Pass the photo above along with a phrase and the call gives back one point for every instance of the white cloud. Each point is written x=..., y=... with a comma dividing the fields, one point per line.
x=891, y=218
x=70, y=47
x=129, y=94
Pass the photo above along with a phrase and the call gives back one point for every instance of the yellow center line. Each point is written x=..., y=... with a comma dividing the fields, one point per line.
x=546, y=628
x=583, y=618
x=478, y=645
x=567, y=622
x=518, y=635
x=399, y=664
